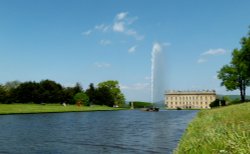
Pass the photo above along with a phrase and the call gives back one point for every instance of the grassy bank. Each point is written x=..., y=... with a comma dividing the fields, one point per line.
x=37, y=108
x=222, y=130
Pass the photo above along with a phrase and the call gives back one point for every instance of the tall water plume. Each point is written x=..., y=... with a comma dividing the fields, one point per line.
x=157, y=72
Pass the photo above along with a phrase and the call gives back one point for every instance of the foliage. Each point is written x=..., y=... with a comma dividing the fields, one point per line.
x=220, y=130
x=138, y=104
x=236, y=75
x=3, y=94
x=115, y=91
x=101, y=95
x=217, y=103
x=104, y=97
x=245, y=43
x=11, y=85
x=48, y=91
x=51, y=91
x=27, y=92
x=82, y=98
x=70, y=92
x=91, y=92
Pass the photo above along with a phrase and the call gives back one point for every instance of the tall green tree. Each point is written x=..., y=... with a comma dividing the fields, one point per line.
x=115, y=91
x=91, y=92
x=245, y=43
x=236, y=75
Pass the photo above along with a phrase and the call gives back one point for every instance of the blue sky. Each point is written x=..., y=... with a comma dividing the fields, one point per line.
x=90, y=41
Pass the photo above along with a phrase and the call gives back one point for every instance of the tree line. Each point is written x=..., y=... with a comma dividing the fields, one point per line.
x=236, y=75
x=48, y=91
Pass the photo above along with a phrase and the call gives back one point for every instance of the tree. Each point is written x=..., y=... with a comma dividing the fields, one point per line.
x=91, y=92
x=245, y=43
x=103, y=96
x=11, y=85
x=10, y=88
x=3, y=94
x=77, y=88
x=115, y=91
x=70, y=92
x=27, y=92
x=51, y=92
x=236, y=75
x=82, y=98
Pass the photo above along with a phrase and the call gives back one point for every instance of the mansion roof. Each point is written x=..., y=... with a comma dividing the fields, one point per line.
x=188, y=92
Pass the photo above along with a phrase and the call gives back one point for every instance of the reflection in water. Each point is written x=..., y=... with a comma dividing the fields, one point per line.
x=93, y=132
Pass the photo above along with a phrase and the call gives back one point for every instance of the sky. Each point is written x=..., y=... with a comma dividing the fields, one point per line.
x=91, y=41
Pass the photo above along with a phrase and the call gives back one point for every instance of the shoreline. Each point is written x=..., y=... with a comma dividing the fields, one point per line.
x=13, y=109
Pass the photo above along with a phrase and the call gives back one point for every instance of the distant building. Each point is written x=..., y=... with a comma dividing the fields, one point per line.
x=189, y=99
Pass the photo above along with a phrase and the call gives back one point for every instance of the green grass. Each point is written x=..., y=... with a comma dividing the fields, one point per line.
x=49, y=108
x=222, y=130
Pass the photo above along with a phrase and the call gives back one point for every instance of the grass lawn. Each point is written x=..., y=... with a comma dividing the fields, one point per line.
x=37, y=108
x=222, y=130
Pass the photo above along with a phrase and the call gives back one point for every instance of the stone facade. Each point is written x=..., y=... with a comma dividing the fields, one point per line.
x=189, y=99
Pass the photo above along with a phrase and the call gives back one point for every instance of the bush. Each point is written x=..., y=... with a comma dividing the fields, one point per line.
x=215, y=103
x=82, y=98
x=218, y=103
x=141, y=104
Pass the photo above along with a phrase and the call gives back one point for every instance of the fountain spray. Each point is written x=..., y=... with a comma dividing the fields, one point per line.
x=157, y=72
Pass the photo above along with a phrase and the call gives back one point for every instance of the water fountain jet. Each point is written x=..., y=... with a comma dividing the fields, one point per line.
x=157, y=73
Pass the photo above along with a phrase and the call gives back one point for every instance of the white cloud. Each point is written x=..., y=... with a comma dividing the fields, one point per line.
x=132, y=49
x=218, y=51
x=134, y=34
x=210, y=52
x=201, y=60
x=121, y=16
x=118, y=27
x=105, y=42
x=102, y=27
x=122, y=24
x=87, y=33
x=102, y=65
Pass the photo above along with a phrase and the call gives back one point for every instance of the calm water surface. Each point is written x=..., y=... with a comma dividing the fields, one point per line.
x=115, y=132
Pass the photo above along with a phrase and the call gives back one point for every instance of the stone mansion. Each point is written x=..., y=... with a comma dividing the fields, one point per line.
x=189, y=99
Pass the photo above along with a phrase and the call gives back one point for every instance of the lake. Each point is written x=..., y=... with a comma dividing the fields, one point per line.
x=115, y=132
